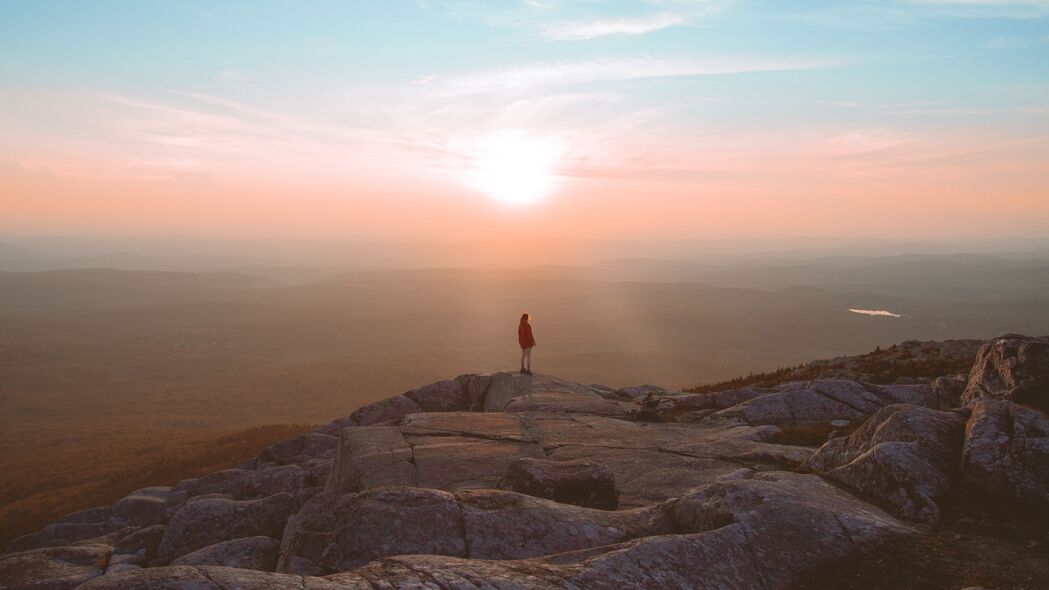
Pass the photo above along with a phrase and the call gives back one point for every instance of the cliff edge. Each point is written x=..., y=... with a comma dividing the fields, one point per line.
x=530, y=481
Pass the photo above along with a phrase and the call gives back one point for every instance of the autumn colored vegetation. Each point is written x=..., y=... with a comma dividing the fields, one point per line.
x=909, y=360
x=99, y=473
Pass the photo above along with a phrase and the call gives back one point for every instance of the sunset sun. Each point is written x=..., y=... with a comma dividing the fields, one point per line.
x=516, y=167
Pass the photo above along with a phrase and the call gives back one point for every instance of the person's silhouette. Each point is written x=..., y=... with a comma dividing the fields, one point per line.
x=527, y=342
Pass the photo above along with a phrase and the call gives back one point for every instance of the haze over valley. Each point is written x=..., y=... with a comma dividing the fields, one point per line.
x=98, y=361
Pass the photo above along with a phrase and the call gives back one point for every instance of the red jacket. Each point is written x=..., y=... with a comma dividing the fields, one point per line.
x=524, y=335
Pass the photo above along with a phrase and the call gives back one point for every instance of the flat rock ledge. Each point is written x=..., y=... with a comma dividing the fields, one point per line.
x=530, y=481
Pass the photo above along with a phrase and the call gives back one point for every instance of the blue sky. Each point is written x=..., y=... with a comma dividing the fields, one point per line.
x=144, y=45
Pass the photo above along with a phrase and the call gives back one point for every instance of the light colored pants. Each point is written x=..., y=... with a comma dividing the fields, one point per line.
x=526, y=354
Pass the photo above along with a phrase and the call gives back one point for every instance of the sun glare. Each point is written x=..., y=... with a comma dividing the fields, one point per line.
x=516, y=167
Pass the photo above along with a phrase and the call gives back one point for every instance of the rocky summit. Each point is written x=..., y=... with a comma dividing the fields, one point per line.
x=530, y=481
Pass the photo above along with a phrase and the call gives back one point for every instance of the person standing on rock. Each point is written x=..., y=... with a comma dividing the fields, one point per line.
x=527, y=342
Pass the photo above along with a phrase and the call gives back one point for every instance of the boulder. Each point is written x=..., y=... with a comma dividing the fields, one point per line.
x=147, y=506
x=91, y=515
x=637, y=391
x=670, y=407
x=443, y=396
x=763, y=532
x=582, y=483
x=438, y=571
x=647, y=476
x=305, y=494
x=391, y=409
x=141, y=543
x=503, y=388
x=1013, y=368
x=649, y=409
x=253, y=553
x=505, y=525
x=137, y=560
x=275, y=480
x=822, y=402
x=230, y=482
x=788, y=523
x=301, y=449
x=62, y=533
x=711, y=560
x=341, y=532
x=1006, y=452
x=203, y=522
x=187, y=577
x=116, y=568
x=52, y=568
x=172, y=496
x=476, y=390
x=948, y=390
x=337, y=532
x=608, y=392
x=904, y=455
x=317, y=472
x=334, y=427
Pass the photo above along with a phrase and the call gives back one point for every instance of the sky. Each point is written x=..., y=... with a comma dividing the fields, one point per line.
x=525, y=119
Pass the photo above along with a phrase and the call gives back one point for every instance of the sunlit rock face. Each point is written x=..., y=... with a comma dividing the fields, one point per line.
x=534, y=481
x=1013, y=368
x=905, y=455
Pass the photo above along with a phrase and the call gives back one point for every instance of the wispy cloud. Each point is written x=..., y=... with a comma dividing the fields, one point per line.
x=193, y=8
x=580, y=20
x=888, y=16
x=910, y=108
x=582, y=30
x=859, y=142
x=1004, y=8
x=1016, y=42
x=1042, y=3
x=622, y=68
x=186, y=131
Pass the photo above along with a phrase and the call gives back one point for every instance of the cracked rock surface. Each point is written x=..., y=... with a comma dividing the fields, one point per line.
x=531, y=481
x=905, y=455
x=1012, y=368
